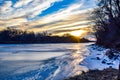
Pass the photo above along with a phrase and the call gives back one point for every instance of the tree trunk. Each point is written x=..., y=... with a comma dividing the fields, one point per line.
x=119, y=72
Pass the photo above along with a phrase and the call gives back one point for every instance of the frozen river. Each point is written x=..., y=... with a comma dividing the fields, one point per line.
x=41, y=61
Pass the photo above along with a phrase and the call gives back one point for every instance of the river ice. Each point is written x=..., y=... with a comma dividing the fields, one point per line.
x=51, y=61
x=41, y=61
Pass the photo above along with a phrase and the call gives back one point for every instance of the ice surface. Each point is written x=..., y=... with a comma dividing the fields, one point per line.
x=41, y=61
x=50, y=61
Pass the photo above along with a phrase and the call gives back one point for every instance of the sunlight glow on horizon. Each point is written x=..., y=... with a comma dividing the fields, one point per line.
x=78, y=33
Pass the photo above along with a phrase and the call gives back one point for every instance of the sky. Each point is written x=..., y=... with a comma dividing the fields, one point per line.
x=54, y=16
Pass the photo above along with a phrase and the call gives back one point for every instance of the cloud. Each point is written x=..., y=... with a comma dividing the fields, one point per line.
x=24, y=14
x=47, y=24
x=63, y=13
x=66, y=31
x=43, y=5
x=69, y=17
x=12, y=22
x=71, y=22
x=22, y=3
x=26, y=8
x=23, y=9
x=6, y=7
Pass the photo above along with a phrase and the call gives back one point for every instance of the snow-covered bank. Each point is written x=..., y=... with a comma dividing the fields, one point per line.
x=98, y=59
x=101, y=61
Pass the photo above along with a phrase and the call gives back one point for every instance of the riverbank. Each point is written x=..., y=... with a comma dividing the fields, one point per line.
x=100, y=58
x=106, y=74
x=101, y=65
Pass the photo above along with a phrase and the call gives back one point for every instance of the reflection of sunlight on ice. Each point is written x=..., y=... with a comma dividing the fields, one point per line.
x=77, y=58
x=76, y=55
x=78, y=72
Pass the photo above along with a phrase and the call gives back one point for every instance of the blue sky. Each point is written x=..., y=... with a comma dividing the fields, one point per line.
x=55, y=16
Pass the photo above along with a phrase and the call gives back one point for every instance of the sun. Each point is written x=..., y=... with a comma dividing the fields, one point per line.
x=77, y=33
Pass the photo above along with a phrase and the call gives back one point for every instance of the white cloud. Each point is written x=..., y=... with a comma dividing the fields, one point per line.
x=26, y=8
x=6, y=7
x=61, y=14
x=41, y=7
x=71, y=17
x=10, y=16
x=12, y=22
x=66, y=15
x=22, y=3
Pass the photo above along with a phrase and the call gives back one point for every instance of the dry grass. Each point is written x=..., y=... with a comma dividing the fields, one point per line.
x=106, y=74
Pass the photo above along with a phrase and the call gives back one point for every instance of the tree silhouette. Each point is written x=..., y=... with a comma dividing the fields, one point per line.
x=107, y=20
x=11, y=35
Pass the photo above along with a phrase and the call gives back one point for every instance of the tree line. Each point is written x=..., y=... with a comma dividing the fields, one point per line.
x=11, y=35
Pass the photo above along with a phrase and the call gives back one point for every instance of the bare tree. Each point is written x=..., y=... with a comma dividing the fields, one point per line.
x=107, y=20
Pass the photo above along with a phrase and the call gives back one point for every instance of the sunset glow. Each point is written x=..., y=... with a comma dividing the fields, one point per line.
x=78, y=33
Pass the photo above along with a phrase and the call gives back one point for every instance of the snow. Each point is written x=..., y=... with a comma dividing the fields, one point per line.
x=93, y=63
x=51, y=61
